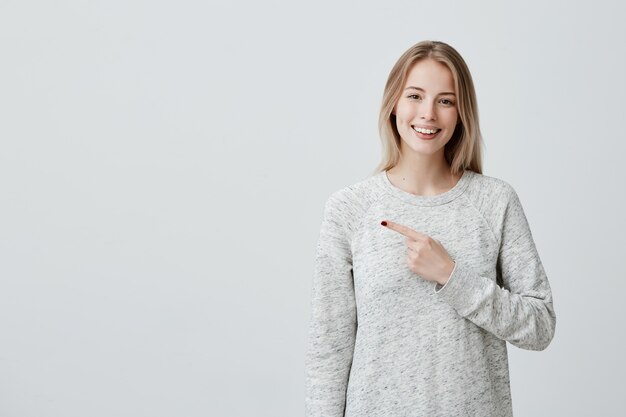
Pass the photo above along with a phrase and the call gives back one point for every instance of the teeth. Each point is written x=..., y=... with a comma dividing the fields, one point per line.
x=428, y=131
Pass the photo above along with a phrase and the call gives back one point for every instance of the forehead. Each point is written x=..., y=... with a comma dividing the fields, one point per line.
x=430, y=75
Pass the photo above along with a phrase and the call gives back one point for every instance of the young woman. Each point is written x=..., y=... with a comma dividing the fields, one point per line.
x=426, y=268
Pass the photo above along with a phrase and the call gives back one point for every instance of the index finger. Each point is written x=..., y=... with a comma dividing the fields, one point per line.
x=402, y=229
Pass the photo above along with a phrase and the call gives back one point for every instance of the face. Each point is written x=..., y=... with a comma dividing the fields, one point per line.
x=427, y=101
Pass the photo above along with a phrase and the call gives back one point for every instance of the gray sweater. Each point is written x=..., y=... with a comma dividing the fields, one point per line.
x=385, y=342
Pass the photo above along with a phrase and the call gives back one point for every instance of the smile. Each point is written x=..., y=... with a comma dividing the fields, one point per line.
x=427, y=131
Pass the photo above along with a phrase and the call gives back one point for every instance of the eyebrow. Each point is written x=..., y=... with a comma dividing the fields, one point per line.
x=421, y=89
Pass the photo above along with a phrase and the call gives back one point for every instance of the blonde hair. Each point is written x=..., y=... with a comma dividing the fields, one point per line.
x=463, y=150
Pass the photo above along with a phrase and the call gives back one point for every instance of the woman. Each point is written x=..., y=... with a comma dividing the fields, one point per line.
x=425, y=269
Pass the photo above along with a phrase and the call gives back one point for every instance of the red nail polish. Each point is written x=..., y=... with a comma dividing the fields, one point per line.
x=384, y=223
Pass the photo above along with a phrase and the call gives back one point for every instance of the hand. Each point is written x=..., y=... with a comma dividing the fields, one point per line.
x=426, y=255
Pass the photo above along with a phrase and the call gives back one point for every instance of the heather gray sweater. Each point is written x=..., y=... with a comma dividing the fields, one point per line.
x=384, y=342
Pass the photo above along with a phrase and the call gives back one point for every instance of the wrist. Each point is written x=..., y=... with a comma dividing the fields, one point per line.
x=448, y=272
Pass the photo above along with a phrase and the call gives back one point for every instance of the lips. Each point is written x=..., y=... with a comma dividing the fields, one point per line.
x=427, y=136
x=431, y=129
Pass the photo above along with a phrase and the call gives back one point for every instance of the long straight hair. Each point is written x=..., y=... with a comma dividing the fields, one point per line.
x=463, y=150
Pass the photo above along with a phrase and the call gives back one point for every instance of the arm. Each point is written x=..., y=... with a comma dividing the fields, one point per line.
x=521, y=311
x=332, y=327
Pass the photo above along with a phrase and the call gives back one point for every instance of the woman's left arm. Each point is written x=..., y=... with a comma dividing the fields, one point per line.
x=521, y=311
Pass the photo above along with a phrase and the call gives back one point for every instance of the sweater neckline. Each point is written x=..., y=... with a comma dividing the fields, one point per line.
x=426, y=200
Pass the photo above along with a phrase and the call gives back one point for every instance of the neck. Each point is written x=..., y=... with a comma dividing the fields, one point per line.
x=423, y=177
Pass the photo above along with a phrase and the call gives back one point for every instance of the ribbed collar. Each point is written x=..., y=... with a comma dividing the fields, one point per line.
x=426, y=200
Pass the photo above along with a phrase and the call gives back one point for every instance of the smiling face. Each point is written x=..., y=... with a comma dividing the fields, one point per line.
x=427, y=101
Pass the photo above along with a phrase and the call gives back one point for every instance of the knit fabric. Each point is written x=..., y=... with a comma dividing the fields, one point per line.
x=384, y=341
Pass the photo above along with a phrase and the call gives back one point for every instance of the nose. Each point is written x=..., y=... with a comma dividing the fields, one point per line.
x=427, y=110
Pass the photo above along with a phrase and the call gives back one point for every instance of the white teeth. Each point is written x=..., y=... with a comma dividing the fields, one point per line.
x=428, y=131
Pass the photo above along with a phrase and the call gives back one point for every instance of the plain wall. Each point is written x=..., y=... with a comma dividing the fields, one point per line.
x=163, y=170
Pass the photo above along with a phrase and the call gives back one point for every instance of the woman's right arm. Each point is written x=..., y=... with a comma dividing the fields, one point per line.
x=333, y=320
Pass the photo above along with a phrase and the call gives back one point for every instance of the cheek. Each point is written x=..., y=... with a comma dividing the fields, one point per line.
x=402, y=106
x=400, y=116
x=453, y=117
x=404, y=113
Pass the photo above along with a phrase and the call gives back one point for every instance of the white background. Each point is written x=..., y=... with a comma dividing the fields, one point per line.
x=163, y=170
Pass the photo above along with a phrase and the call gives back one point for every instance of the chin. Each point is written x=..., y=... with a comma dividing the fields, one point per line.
x=427, y=148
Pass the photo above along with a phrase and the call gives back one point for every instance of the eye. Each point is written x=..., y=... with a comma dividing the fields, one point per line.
x=448, y=102
x=412, y=95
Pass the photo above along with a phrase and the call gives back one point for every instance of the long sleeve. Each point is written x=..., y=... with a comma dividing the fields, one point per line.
x=519, y=311
x=333, y=320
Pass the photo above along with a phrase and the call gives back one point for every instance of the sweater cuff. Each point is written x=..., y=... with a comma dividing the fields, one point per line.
x=438, y=286
x=464, y=289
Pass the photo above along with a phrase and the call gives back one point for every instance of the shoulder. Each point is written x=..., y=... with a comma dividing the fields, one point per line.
x=489, y=191
x=348, y=203
x=489, y=183
x=498, y=203
x=358, y=194
x=355, y=190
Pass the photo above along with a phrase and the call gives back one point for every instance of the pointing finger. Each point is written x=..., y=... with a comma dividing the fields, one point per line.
x=402, y=229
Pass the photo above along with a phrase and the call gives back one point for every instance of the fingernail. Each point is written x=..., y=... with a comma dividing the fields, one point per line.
x=384, y=223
